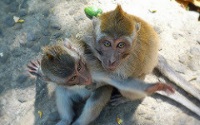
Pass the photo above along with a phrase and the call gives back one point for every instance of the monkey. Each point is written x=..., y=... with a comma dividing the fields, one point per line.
x=127, y=46
x=68, y=69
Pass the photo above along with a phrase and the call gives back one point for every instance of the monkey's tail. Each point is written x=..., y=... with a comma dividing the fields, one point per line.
x=168, y=72
x=182, y=100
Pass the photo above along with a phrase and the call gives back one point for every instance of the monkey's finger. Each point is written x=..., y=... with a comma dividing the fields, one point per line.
x=31, y=67
x=34, y=64
x=38, y=61
x=34, y=72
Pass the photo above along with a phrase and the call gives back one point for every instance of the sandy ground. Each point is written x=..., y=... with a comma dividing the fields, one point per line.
x=46, y=22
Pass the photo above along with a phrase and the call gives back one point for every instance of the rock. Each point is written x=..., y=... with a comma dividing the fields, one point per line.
x=17, y=52
x=14, y=6
x=193, y=65
x=195, y=51
x=56, y=26
x=46, y=13
x=36, y=48
x=24, y=4
x=80, y=17
x=198, y=40
x=54, y=116
x=4, y=54
x=21, y=99
x=18, y=26
x=8, y=1
x=44, y=41
x=2, y=88
x=68, y=34
x=1, y=33
x=22, y=78
x=8, y=21
x=22, y=12
x=183, y=58
x=46, y=32
x=56, y=35
x=44, y=23
x=33, y=36
x=157, y=29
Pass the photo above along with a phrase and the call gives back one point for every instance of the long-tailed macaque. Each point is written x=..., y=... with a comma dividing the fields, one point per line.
x=127, y=46
x=67, y=67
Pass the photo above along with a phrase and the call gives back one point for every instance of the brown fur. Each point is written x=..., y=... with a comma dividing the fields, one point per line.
x=144, y=52
x=119, y=22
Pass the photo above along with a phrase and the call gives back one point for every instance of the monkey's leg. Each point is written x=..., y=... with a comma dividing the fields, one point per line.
x=64, y=105
x=167, y=71
x=94, y=105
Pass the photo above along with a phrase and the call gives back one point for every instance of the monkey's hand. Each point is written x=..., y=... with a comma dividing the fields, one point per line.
x=160, y=87
x=34, y=68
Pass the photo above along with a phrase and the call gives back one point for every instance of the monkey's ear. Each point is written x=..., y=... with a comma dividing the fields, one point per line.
x=50, y=57
x=138, y=26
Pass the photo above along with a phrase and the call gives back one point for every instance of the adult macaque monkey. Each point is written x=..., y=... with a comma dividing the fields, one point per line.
x=67, y=67
x=126, y=46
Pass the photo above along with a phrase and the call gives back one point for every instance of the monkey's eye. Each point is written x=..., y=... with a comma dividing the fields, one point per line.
x=73, y=78
x=107, y=44
x=79, y=66
x=121, y=45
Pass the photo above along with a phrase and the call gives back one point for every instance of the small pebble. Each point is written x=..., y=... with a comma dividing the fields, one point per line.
x=9, y=21
x=56, y=26
x=56, y=35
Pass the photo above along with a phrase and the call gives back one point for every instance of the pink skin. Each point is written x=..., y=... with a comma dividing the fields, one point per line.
x=81, y=75
x=113, y=51
x=160, y=87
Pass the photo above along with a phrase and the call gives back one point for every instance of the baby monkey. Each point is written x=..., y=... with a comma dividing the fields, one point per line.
x=67, y=67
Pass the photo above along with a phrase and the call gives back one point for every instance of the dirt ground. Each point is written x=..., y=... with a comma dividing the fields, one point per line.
x=48, y=21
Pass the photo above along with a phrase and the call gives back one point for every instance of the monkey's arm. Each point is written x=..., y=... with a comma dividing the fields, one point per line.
x=167, y=71
x=65, y=106
x=132, y=85
x=94, y=105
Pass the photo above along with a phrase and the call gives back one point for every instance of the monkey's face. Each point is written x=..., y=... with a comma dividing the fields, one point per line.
x=113, y=51
x=64, y=66
x=80, y=76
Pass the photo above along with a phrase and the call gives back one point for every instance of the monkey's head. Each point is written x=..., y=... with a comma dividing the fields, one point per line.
x=64, y=66
x=115, y=32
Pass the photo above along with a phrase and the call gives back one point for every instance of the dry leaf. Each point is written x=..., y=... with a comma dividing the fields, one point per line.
x=40, y=114
x=119, y=121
